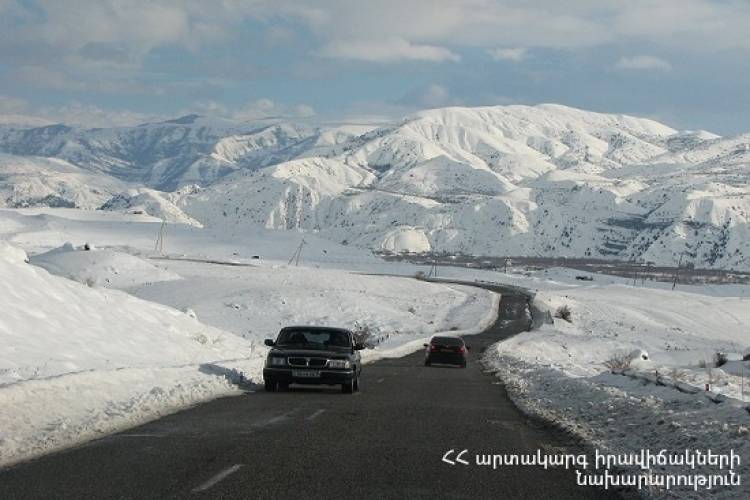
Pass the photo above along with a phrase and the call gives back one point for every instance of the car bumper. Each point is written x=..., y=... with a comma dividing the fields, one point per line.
x=446, y=358
x=327, y=377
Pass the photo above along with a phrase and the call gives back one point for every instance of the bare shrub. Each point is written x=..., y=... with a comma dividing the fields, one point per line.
x=677, y=375
x=720, y=359
x=369, y=336
x=618, y=362
x=564, y=312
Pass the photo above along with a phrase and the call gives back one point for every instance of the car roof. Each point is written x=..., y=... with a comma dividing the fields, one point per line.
x=315, y=329
x=453, y=337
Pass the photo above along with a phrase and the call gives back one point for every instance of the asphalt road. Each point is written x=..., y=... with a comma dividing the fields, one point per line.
x=387, y=441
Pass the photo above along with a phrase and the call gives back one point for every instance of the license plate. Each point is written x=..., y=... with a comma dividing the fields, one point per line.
x=446, y=350
x=306, y=373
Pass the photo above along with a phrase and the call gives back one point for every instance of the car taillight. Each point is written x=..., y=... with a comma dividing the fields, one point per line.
x=462, y=349
x=433, y=348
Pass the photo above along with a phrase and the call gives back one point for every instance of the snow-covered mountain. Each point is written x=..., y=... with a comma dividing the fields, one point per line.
x=27, y=181
x=167, y=154
x=543, y=180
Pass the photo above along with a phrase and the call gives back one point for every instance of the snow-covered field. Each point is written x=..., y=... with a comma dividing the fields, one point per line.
x=561, y=371
x=98, y=340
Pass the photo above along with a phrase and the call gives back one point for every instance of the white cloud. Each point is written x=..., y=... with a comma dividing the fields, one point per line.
x=393, y=49
x=701, y=25
x=434, y=96
x=14, y=110
x=643, y=62
x=255, y=110
x=44, y=77
x=304, y=110
x=87, y=115
x=17, y=111
x=416, y=30
x=10, y=104
x=93, y=34
x=516, y=54
x=278, y=36
x=266, y=108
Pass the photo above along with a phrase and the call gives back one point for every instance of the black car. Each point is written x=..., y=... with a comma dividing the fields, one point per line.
x=313, y=355
x=446, y=350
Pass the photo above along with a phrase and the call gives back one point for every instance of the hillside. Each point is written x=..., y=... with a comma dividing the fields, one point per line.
x=544, y=180
x=27, y=181
x=169, y=154
x=517, y=180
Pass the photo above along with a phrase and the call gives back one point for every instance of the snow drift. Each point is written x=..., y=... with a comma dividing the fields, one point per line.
x=78, y=362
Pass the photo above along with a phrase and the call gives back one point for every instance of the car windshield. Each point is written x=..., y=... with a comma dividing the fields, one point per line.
x=315, y=339
x=447, y=341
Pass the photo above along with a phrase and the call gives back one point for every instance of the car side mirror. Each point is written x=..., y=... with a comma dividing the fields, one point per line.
x=468, y=348
x=426, y=345
x=359, y=346
x=269, y=342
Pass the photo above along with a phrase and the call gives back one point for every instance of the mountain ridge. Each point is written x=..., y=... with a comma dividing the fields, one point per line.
x=545, y=180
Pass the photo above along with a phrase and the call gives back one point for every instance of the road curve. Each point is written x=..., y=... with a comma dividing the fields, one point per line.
x=386, y=441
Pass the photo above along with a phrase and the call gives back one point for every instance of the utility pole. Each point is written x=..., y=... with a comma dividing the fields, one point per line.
x=159, y=246
x=507, y=263
x=297, y=253
x=742, y=383
x=433, y=270
x=677, y=271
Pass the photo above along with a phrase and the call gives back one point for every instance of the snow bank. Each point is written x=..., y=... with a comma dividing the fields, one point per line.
x=681, y=332
x=669, y=338
x=620, y=415
x=78, y=361
x=407, y=239
x=11, y=254
x=107, y=268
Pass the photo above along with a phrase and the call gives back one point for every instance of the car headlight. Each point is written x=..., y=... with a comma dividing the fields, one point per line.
x=276, y=361
x=339, y=363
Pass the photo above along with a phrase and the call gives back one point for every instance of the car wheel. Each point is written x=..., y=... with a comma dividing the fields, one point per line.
x=283, y=386
x=348, y=387
x=270, y=386
x=463, y=365
x=356, y=384
x=427, y=362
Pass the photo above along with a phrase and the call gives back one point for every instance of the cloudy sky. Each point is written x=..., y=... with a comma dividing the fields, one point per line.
x=112, y=62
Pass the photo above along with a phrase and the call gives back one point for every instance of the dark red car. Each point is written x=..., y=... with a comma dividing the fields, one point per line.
x=446, y=350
